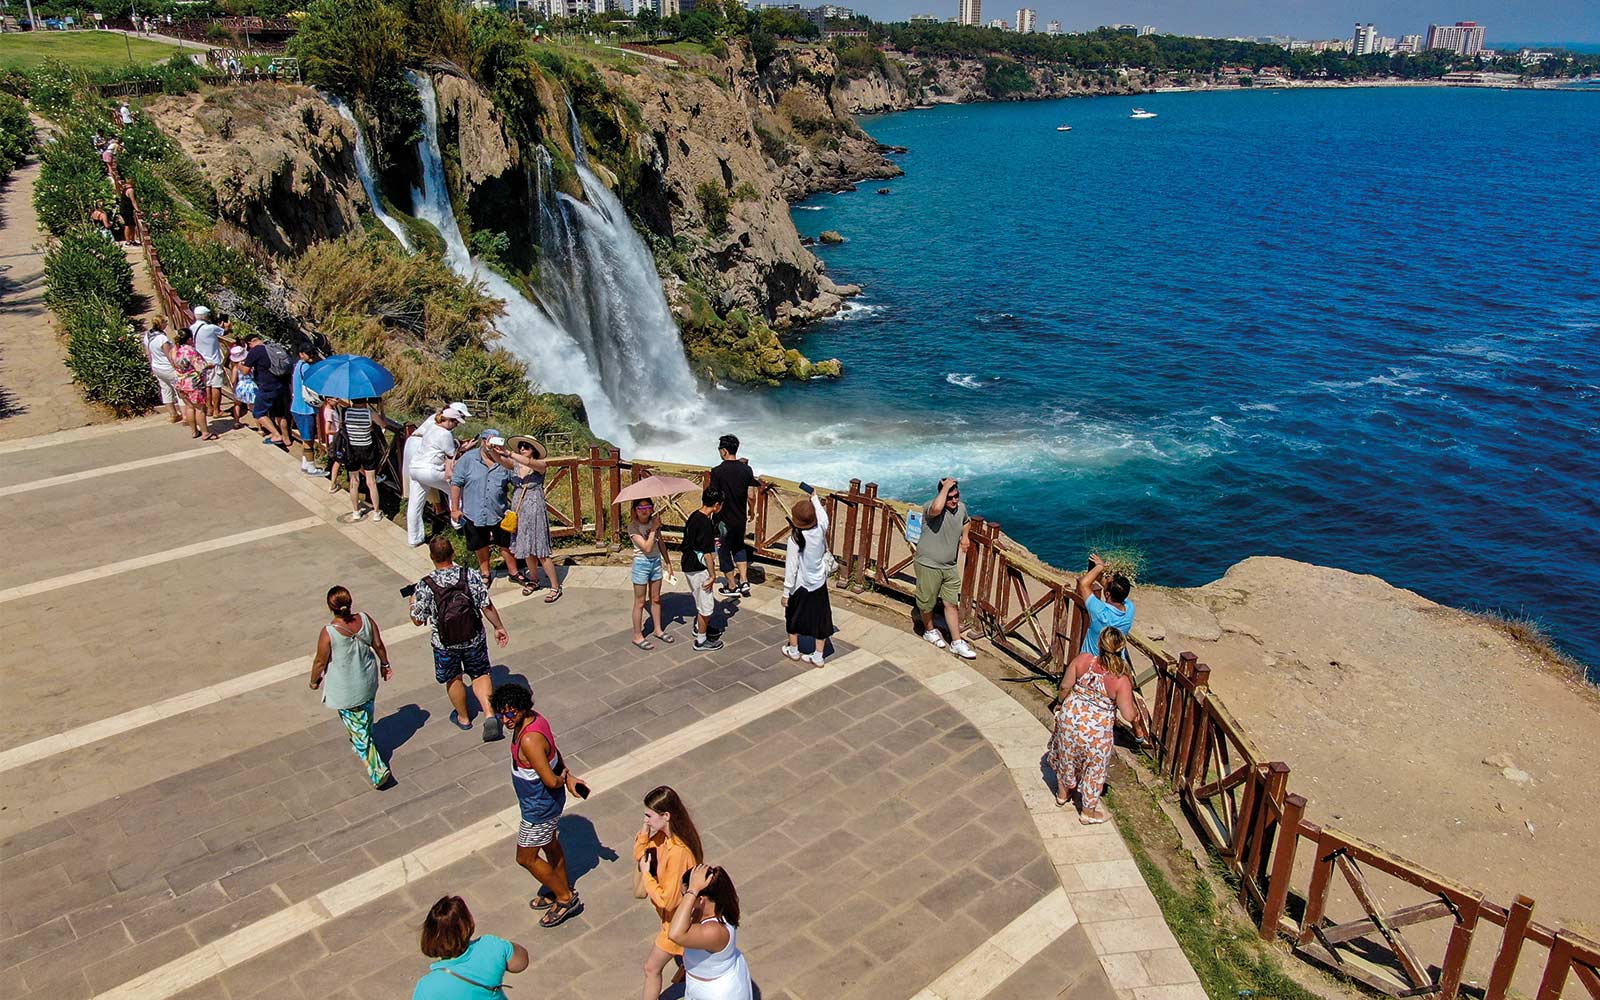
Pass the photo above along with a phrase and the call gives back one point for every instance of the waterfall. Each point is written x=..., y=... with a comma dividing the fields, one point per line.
x=364, y=169
x=554, y=357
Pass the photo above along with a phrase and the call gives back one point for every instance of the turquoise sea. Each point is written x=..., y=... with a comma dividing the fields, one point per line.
x=1355, y=327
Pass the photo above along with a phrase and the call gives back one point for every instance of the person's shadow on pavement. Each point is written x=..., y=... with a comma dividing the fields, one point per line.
x=391, y=732
x=582, y=846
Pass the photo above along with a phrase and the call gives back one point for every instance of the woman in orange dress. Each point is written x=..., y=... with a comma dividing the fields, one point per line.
x=1093, y=690
x=667, y=847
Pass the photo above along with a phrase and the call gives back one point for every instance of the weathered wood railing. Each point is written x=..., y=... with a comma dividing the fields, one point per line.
x=1293, y=874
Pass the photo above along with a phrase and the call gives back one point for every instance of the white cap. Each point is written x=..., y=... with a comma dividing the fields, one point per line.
x=457, y=411
x=201, y=312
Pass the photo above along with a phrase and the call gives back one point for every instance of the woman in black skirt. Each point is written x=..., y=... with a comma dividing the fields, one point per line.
x=805, y=579
x=361, y=449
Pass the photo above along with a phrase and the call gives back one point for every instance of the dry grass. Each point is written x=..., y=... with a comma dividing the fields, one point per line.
x=1529, y=634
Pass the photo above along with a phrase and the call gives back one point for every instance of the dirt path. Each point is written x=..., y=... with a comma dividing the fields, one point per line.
x=36, y=392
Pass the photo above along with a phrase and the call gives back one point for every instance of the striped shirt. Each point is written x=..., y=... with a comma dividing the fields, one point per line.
x=358, y=424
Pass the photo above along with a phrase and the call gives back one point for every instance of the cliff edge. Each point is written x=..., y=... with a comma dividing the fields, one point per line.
x=1430, y=731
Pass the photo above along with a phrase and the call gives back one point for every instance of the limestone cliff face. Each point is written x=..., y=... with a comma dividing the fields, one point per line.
x=906, y=80
x=281, y=160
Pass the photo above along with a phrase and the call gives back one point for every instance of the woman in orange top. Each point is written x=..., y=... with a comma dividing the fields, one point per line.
x=668, y=846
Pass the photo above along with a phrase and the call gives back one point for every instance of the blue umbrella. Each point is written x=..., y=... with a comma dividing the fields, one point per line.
x=349, y=376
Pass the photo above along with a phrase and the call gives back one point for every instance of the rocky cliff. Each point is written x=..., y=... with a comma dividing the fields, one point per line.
x=900, y=80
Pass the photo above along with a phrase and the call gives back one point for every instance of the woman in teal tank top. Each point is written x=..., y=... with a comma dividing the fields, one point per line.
x=350, y=659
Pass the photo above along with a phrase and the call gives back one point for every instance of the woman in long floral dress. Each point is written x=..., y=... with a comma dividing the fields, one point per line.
x=1093, y=691
x=531, y=543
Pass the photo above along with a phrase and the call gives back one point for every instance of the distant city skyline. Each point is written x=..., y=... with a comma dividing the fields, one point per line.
x=1507, y=20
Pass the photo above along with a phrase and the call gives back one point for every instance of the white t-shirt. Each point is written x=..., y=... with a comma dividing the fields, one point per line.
x=155, y=344
x=434, y=444
x=206, y=341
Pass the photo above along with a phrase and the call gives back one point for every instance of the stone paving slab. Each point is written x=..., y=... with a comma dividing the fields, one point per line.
x=134, y=513
x=146, y=440
x=189, y=622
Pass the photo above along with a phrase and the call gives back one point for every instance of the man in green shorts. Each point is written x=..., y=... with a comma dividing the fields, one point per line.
x=944, y=540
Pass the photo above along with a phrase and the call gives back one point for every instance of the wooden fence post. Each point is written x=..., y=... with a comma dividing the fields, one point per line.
x=1294, y=810
x=863, y=547
x=594, y=494
x=1505, y=962
x=1555, y=970
x=847, y=545
x=1198, y=742
x=1317, y=894
x=1455, y=953
x=618, y=521
x=978, y=572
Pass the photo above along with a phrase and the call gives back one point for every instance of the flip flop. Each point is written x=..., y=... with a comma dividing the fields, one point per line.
x=455, y=720
x=1087, y=820
x=645, y=644
x=666, y=637
x=559, y=914
x=554, y=596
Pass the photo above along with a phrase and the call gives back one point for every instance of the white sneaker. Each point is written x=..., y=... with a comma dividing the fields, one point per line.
x=791, y=652
x=933, y=636
x=814, y=658
x=961, y=649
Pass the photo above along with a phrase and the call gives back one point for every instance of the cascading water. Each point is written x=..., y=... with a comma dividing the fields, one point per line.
x=553, y=355
x=364, y=169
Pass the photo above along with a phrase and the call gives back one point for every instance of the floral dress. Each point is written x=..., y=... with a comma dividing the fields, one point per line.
x=532, y=540
x=191, y=369
x=1080, y=745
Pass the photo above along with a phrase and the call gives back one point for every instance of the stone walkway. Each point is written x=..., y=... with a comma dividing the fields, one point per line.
x=181, y=817
x=36, y=391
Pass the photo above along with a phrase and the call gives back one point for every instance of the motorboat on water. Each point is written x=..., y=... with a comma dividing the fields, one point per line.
x=1063, y=128
x=922, y=107
x=1142, y=113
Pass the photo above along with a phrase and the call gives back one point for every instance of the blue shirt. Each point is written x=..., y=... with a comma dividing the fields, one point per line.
x=484, y=962
x=1103, y=615
x=483, y=489
x=297, y=399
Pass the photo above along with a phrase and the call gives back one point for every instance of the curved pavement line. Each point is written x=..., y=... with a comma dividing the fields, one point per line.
x=257, y=938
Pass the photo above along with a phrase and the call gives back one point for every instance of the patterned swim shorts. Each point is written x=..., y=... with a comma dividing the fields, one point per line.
x=536, y=834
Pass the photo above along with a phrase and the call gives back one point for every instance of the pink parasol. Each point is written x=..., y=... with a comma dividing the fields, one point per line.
x=657, y=486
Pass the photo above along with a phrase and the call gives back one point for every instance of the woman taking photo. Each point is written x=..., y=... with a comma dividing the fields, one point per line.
x=1093, y=691
x=532, y=539
x=706, y=926
x=668, y=845
x=806, y=610
x=468, y=968
x=350, y=658
x=649, y=566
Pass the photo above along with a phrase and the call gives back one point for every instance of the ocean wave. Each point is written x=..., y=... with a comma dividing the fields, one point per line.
x=989, y=318
x=806, y=208
x=968, y=380
x=1258, y=407
x=853, y=309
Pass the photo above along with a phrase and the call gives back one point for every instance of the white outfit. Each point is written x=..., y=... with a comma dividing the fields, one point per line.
x=717, y=975
x=804, y=570
x=155, y=343
x=425, y=453
x=207, y=342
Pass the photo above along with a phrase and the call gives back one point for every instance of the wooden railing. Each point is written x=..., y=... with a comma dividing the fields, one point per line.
x=179, y=313
x=1309, y=885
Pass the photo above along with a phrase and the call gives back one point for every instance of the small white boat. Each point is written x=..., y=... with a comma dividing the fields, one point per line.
x=1063, y=128
x=1142, y=113
x=921, y=107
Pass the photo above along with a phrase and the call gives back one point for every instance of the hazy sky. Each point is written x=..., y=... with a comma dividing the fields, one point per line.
x=1507, y=20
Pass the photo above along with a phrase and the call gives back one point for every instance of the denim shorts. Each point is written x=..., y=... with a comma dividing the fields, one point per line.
x=306, y=424
x=646, y=569
x=473, y=660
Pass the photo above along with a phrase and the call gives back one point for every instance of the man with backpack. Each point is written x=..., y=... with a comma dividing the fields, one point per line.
x=273, y=368
x=455, y=600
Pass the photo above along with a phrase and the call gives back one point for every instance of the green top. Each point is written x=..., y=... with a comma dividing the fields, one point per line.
x=940, y=543
x=352, y=676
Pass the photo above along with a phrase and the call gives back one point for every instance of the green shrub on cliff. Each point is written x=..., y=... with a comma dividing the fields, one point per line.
x=16, y=134
x=106, y=358
x=359, y=50
x=83, y=264
x=714, y=203
x=72, y=182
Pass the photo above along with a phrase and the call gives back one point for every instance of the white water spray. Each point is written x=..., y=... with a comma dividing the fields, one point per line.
x=364, y=169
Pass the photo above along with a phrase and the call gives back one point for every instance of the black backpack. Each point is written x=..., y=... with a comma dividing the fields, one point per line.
x=456, y=617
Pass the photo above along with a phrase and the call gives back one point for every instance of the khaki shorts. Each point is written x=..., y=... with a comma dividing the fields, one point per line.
x=936, y=584
x=705, y=602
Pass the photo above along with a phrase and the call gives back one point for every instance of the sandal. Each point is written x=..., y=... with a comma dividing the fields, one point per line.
x=541, y=901
x=1090, y=819
x=666, y=637
x=553, y=596
x=455, y=720
x=561, y=912
x=519, y=579
x=528, y=589
x=644, y=644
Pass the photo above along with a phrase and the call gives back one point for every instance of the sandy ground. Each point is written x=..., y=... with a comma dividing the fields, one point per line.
x=36, y=392
x=1408, y=724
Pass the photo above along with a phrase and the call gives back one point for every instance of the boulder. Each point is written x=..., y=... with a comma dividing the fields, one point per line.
x=831, y=236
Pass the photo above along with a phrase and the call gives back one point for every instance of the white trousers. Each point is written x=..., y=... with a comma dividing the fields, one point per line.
x=420, y=480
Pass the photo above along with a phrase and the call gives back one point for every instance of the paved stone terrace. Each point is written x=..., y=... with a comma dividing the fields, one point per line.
x=183, y=818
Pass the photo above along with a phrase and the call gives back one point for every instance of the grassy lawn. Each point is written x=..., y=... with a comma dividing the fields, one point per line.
x=83, y=49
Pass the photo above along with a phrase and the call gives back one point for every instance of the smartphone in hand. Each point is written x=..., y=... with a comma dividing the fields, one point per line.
x=807, y=488
x=408, y=590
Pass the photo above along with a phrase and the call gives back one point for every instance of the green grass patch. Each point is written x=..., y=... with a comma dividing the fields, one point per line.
x=687, y=49
x=90, y=50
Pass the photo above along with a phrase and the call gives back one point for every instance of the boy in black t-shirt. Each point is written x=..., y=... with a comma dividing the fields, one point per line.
x=699, y=561
x=734, y=478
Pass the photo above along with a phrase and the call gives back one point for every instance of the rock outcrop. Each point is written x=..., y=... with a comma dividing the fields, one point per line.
x=280, y=159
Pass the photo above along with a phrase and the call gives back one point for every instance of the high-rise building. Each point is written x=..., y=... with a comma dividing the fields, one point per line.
x=1053, y=28
x=1385, y=44
x=1027, y=18
x=1464, y=38
x=1409, y=43
x=924, y=18
x=1365, y=40
x=971, y=13
x=1000, y=24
